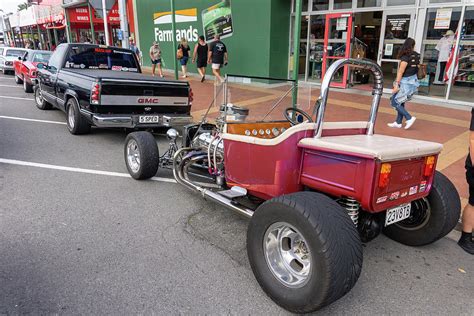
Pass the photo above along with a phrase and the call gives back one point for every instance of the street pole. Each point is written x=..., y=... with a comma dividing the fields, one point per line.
x=175, y=46
x=91, y=22
x=106, y=27
x=68, y=27
x=123, y=23
x=296, y=49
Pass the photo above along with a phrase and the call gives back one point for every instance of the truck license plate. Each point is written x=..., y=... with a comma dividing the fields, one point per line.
x=149, y=119
x=397, y=214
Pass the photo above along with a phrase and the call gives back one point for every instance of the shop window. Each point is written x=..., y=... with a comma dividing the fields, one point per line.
x=368, y=3
x=444, y=1
x=303, y=44
x=400, y=2
x=462, y=88
x=316, y=47
x=342, y=4
x=440, y=27
x=320, y=5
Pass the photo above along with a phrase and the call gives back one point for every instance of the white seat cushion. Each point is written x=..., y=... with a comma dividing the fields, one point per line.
x=377, y=146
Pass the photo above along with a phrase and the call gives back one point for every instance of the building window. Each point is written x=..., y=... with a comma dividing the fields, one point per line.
x=320, y=5
x=401, y=2
x=304, y=7
x=443, y=1
x=342, y=4
x=368, y=3
x=316, y=46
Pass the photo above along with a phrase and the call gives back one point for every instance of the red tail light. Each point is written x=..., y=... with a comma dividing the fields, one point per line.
x=95, y=93
x=191, y=96
x=429, y=166
x=384, y=178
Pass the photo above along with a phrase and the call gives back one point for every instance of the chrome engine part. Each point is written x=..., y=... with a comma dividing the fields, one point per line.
x=206, y=140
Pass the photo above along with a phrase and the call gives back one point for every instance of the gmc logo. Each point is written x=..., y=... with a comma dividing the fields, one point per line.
x=147, y=100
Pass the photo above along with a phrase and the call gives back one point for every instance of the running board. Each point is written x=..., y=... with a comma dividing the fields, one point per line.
x=234, y=192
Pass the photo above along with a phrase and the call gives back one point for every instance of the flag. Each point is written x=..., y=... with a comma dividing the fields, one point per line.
x=452, y=65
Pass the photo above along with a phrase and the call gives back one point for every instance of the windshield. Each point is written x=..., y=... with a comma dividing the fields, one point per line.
x=86, y=57
x=15, y=53
x=41, y=57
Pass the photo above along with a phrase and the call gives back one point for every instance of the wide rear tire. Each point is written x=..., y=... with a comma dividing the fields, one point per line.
x=304, y=250
x=28, y=88
x=40, y=101
x=141, y=155
x=76, y=123
x=432, y=218
x=18, y=79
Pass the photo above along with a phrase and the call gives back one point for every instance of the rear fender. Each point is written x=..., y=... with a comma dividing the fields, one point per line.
x=68, y=95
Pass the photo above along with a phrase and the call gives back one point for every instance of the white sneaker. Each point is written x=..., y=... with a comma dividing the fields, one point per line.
x=410, y=122
x=394, y=125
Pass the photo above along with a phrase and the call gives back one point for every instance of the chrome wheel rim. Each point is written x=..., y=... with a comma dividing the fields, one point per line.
x=39, y=96
x=133, y=156
x=419, y=216
x=70, y=116
x=287, y=255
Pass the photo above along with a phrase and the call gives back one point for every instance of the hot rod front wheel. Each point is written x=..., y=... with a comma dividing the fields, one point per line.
x=141, y=155
x=431, y=218
x=304, y=250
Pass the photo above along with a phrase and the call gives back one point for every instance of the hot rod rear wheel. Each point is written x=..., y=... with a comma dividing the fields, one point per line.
x=304, y=250
x=76, y=123
x=28, y=88
x=18, y=79
x=141, y=155
x=431, y=218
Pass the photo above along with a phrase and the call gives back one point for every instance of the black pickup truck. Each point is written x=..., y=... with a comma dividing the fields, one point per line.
x=103, y=86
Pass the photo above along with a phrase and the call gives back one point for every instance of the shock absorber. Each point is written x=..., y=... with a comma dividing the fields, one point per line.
x=352, y=207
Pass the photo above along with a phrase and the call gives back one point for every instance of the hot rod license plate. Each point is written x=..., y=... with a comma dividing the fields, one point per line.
x=397, y=214
x=149, y=119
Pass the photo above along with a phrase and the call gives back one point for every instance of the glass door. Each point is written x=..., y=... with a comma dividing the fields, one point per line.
x=337, y=45
x=397, y=26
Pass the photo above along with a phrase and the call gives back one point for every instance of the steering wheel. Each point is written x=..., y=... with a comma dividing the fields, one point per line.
x=295, y=116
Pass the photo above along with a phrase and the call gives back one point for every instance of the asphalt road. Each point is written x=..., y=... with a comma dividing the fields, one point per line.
x=73, y=241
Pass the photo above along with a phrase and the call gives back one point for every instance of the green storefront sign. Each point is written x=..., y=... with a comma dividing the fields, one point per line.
x=256, y=33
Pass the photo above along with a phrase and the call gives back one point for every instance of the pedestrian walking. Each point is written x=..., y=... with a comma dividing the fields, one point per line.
x=183, y=55
x=200, y=57
x=466, y=242
x=134, y=48
x=217, y=56
x=155, y=55
x=406, y=84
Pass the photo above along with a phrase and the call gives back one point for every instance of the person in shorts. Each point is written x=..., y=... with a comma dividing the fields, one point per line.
x=155, y=56
x=217, y=56
x=184, y=46
x=200, y=57
x=466, y=242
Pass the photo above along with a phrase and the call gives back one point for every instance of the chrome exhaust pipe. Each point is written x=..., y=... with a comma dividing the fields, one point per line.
x=206, y=193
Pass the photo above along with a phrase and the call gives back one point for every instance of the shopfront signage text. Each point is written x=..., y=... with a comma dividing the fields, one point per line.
x=181, y=16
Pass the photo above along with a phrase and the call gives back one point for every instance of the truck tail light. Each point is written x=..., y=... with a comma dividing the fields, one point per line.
x=429, y=166
x=384, y=178
x=191, y=96
x=95, y=93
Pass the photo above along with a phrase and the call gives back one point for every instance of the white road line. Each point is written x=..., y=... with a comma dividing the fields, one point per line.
x=7, y=85
x=15, y=98
x=31, y=120
x=80, y=170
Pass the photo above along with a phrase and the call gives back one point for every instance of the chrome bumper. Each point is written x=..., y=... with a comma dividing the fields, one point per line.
x=132, y=121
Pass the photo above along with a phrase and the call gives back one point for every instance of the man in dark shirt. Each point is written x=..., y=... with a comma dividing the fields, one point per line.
x=465, y=242
x=217, y=56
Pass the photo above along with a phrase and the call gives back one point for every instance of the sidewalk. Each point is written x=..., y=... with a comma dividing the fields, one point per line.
x=446, y=125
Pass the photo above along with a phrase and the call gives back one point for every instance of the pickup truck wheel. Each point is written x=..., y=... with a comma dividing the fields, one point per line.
x=27, y=87
x=304, y=250
x=76, y=123
x=141, y=155
x=18, y=79
x=40, y=101
x=431, y=218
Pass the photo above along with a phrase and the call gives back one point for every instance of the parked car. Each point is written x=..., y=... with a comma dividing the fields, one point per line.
x=25, y=67
x=103, y=86
x=8, y=55
x=313, y=190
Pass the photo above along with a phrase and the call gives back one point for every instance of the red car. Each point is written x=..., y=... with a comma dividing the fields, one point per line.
x=25, y=67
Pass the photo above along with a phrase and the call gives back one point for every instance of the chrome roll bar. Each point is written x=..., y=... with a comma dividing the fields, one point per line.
x=377, y=90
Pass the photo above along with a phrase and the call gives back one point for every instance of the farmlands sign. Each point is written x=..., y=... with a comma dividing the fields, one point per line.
x=162, y=21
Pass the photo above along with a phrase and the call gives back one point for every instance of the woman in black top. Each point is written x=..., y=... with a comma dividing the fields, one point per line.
x=200, y=55
x=183, y=45
x=406, y=84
